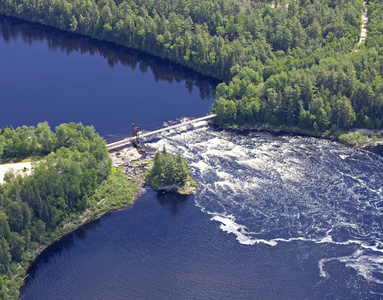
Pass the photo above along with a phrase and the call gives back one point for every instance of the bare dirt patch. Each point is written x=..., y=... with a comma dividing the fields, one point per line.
x=24, y=168
x=364, y=29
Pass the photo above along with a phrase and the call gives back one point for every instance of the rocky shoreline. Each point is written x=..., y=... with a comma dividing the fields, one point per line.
x=135, y=163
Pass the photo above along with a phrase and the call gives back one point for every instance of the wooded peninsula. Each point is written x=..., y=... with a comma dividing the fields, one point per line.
x=72, y=182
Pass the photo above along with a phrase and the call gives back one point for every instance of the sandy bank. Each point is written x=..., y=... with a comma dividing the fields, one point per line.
x=18, y=168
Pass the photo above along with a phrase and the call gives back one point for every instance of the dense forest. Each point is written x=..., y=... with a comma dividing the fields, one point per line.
x=285, y=63
x=71, y=173
x=329, y=83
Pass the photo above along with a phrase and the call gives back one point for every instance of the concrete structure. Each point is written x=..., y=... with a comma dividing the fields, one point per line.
x=128, y=140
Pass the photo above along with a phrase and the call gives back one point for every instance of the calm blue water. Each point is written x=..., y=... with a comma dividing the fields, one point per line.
x=48, y=75
x=276, y=216
x=166, y=248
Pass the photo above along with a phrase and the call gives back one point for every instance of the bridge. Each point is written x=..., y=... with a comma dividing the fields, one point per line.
x=130, y=139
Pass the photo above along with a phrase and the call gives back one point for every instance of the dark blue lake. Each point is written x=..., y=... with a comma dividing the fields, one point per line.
x=275, y=217
x=50, y=75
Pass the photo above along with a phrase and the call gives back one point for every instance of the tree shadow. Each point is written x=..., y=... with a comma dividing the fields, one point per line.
x=173, y=202
x=66, y=42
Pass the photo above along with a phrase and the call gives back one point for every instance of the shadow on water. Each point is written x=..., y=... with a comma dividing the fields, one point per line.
x=60, y=246
x=174, y=202
x=82, y=232
x=163, y=70
x=378, y=149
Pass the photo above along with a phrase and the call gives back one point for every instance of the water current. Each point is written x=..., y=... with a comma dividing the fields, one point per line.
x=271, y=189
x=276, y=216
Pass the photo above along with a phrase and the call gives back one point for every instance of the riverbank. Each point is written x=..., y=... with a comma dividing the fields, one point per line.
x=133, y=164
x=136, y=162
x=135, y=251
x=354, y=141
x=356, y=137
x=130, y=162
x=118, y=191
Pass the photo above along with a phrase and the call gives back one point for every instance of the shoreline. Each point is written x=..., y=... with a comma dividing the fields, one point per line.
x=91, y=214
x=299, y=132
x=264, y=127
x=135, y=163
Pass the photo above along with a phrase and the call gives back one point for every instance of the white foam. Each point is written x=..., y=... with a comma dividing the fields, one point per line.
x=301, y=181
x=213, y=143
x=326, y=239
x=322, y=271
x=224, y=175
x=226, y=184
x=254, y=163
x=236, y=152
x=365, y=265
x=201, y=165
x=229, y=225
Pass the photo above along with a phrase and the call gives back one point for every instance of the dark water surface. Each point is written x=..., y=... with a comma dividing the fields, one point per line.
x=275, y=217
x=166, y=248
x=50, y=75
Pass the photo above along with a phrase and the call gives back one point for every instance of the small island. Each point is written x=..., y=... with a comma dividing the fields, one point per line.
x=170, y=173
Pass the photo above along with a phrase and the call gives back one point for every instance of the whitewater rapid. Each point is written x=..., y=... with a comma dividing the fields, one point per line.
x=268, y=188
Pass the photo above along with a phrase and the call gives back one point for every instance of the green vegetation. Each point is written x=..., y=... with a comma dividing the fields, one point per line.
x=321, y=85
x=170, y=172
x=73, y=183
x=357, y=138
x=284, y=63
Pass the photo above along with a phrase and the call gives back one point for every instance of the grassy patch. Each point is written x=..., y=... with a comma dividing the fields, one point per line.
x=20, y=159
x=357, y=138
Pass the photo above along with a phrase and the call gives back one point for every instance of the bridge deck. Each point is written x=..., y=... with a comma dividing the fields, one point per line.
x=127, y=140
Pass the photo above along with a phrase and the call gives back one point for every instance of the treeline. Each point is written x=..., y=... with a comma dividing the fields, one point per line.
x=177, y=31
x=341, y=92
x=375, y=24
x=168, y=170
x=284, y=62
x=74, y=174
x=12, y=28
x=30, y=140
x=211, y=37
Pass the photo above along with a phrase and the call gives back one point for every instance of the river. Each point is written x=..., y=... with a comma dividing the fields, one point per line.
x=276, y=216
